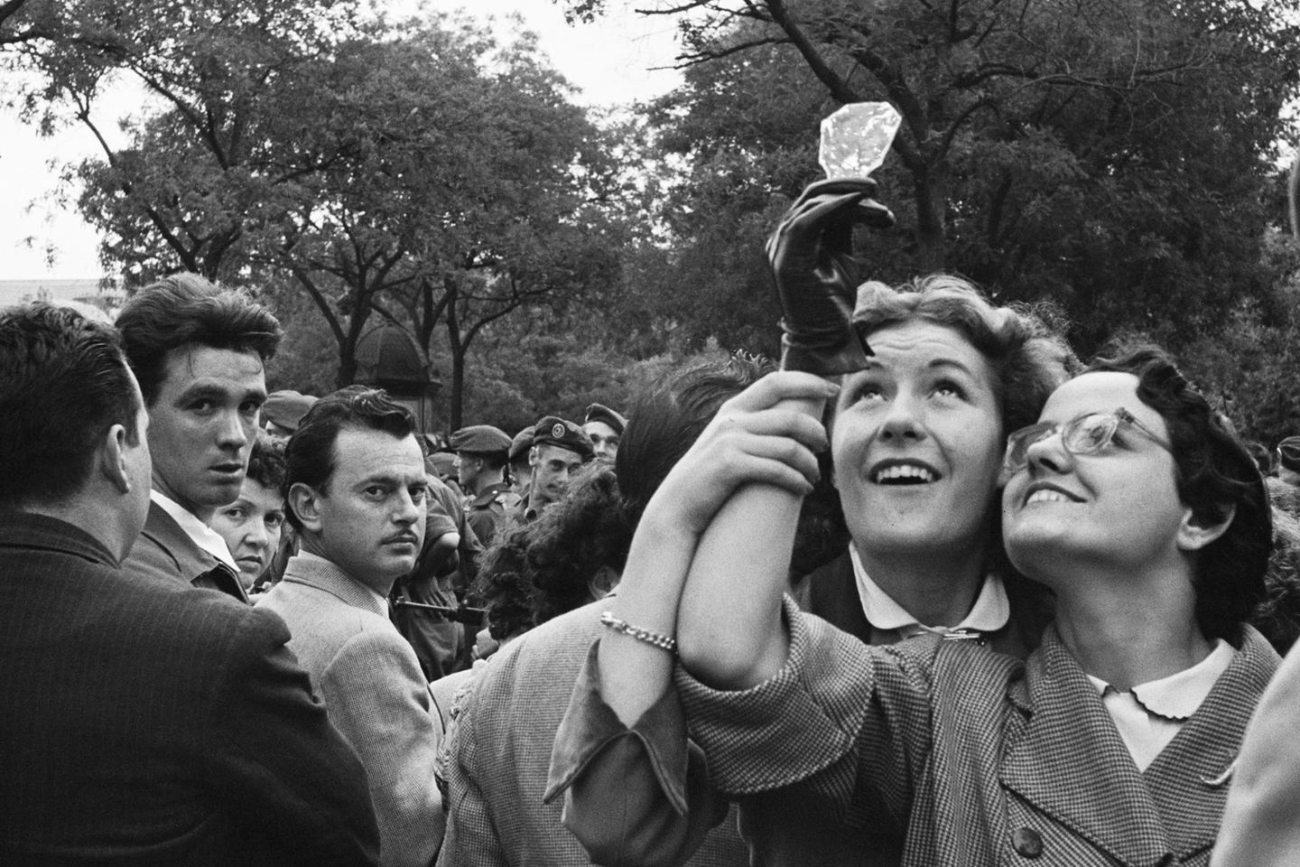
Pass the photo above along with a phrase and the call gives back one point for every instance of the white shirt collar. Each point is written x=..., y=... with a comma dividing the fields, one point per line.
x=204, y=536
x=990, y=612
x=1179, y=695
x=1149, y=715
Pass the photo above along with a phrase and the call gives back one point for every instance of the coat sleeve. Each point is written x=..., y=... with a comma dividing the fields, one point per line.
x=632, y=796
x=838, y=717
x=379, y=700
x=275, y=760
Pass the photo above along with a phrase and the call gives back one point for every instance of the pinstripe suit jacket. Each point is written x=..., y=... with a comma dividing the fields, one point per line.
x=376, y=696
x=975, y=757
x=500, y=745
x=143, y=721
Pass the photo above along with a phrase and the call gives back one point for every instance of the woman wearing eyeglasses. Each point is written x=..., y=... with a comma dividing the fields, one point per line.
x=1113, y=743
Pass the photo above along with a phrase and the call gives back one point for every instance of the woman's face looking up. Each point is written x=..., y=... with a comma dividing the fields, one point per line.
x=917, y=443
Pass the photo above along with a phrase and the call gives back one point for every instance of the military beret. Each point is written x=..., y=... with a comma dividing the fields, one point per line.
x=481, y=439
x=286, y=408
x=522, y=441
x=441, y=464
x=600, y=412
x=1288, y=452
x=556, y=431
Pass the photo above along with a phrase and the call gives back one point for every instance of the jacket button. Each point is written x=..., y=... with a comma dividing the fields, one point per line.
x=1027, y=842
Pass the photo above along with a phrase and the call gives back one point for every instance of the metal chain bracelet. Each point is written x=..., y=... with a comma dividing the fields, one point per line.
x=658, y=639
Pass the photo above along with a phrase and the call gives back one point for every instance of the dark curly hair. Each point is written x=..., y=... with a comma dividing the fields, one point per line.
x=1215, y=475
x=266, y=464
x=539, y=570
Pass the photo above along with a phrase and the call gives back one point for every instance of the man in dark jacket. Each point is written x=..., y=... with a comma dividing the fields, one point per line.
x=143, y=720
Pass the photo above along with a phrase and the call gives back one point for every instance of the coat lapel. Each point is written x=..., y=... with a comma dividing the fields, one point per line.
x=1071, y=763
x=1189, y=780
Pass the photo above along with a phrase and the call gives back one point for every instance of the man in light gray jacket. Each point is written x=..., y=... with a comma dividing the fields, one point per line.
x=356, y=493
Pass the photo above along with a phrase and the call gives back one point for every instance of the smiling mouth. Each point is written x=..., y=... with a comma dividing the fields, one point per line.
x=904, y=474
x=1047, y=495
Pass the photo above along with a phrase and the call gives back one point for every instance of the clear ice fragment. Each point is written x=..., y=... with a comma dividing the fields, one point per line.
x=856, y=138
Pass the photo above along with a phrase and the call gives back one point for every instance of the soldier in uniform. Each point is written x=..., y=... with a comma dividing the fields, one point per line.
x=560, y=448
x=605, y=428
x=481, y=454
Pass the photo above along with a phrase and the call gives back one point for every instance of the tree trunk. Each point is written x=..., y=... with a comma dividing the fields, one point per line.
x=1294, y=196
x=457, y=347
x=931, y=208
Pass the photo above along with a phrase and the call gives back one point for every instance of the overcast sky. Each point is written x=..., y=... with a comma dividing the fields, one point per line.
x=610, y=62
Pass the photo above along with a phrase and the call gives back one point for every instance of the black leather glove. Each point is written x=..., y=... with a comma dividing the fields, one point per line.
x=811, y=255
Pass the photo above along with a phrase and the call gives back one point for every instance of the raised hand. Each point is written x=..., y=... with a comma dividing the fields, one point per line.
x=811, y=256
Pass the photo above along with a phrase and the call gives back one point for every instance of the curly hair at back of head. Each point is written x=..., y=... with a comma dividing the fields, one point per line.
x=536, y=571
x=186, y=309
x=1277, y=615
x=266, y=464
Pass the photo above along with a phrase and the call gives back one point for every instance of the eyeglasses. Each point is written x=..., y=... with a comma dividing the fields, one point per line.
x=1088, y=434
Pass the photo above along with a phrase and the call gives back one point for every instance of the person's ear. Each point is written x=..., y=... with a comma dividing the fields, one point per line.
x=1196, y=533
x=305, y=502
x=112, y=461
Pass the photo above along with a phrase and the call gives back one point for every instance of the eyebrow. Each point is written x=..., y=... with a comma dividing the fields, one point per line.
x=209, y=389
x=939, y=363
x=394, y=480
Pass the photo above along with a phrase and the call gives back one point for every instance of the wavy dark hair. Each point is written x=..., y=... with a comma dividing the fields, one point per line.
x=309, y=454
x=1215, y=475
x=539, y=570
x=184, y=309
x=63, y=383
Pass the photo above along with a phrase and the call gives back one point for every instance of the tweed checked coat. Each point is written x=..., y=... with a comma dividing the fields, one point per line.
x=982, y=758
x=143, y=721
x=499, y=747
x=376, y=696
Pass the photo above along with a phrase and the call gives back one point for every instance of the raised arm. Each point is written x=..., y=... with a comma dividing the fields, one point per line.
x=635, y=791
x=765, y=437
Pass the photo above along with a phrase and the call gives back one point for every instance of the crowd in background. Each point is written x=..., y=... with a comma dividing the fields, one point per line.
x=934, y=592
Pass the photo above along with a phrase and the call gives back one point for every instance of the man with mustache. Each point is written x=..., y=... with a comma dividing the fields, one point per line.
x=356, y=492
x=200, y=353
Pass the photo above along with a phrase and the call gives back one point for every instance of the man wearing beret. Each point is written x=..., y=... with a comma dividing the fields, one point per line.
x=605, y=428
x=481, y=454
x=283, y=411
x=560, y=448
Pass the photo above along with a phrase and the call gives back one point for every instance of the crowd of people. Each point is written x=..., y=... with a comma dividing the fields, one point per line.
x=934, y=592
